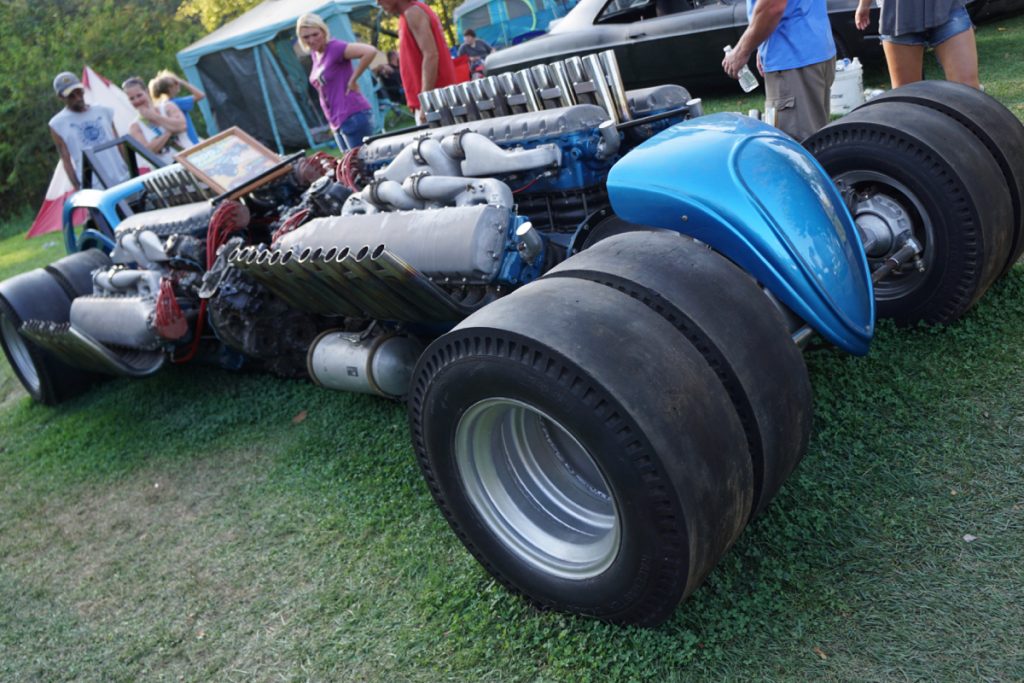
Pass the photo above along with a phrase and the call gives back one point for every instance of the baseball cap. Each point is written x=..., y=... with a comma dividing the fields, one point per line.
x=65, y=83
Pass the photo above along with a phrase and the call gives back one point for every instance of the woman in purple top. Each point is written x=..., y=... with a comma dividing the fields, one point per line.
x=333, y=76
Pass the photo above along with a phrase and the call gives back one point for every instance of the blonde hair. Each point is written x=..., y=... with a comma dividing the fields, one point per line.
x=310, y=21
x=161, y=85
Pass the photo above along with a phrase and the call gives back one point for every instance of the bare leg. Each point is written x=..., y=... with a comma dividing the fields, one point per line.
x=906, y=62
x=959, y=58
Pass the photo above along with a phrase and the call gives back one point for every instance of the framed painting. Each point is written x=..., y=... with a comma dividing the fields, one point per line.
x=232, y=163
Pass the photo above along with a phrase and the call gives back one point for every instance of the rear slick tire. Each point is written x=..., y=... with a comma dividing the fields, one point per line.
x=74, y=271
x=748, y=347
x=589, y=460
x=902, y=163
x=994, y=125
x=37, y=295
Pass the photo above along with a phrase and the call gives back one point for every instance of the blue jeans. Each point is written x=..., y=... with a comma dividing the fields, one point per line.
x=353, y=129
x=958, y=22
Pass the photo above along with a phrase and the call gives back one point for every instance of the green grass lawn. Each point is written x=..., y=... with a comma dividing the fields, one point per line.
x=202, y=525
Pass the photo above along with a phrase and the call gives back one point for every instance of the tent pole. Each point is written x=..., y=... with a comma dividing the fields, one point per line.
x=291, y=96
x=266, y=98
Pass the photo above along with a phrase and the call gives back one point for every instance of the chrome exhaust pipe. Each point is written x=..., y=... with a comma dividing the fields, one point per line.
x=409, y=282
x=465, y=94
x=547, y=93
x=618, y=89
x=515, y=100
x=326, y=288
x=402, y=289
x=524, y=78
x=592, y=65
x=493, y=87
x=374, y=302
x=582, y=89
x=380, y=291
x=315, y=298
x=482, y=98
x=432, y=298
x=278, y=280
x=567, y=96
x=340, y=288
x=350, y=284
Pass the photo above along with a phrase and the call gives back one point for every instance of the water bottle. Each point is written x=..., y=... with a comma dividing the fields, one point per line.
x=748, y=81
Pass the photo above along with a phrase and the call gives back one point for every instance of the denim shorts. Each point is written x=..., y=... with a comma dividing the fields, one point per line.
x=353, y=129
x=958, y=22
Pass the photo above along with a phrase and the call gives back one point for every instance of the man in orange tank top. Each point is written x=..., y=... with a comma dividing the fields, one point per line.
x=423, y=56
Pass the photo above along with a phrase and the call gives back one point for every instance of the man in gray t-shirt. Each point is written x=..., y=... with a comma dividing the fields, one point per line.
x=79, y=127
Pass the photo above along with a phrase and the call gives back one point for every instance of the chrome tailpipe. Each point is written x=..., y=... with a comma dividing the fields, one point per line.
x=593, y=79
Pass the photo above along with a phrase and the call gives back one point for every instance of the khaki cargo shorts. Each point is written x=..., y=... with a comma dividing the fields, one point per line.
x=797, y=100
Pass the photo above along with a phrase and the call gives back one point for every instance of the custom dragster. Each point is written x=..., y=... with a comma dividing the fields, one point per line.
x=593, y=301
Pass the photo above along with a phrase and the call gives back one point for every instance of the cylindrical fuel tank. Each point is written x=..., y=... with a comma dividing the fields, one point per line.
x=351, y=361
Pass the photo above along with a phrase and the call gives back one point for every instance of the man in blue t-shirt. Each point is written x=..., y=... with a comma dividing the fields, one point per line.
x=796, y=55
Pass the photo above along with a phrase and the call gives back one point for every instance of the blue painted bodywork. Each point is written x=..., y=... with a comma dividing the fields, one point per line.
x=102, y=208
x=759, y=198
x=514, y=270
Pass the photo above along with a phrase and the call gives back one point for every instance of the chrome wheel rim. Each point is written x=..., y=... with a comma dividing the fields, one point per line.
x=537, y=489
x=20, y=356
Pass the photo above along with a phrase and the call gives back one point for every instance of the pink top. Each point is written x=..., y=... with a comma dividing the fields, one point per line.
x=330, y=75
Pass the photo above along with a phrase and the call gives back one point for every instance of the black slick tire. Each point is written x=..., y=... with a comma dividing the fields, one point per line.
x=994, y=125
x=733, y=324
x=582, y=450
x=949, y=190
x=37, y=295
x=74, y=271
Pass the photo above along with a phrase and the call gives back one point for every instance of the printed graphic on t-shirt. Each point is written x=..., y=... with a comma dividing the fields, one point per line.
x=90, y=132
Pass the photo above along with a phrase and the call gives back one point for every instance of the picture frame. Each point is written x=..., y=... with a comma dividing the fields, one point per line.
x=232, y=163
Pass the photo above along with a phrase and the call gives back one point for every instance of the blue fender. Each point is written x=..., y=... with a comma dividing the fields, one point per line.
x=756, y=196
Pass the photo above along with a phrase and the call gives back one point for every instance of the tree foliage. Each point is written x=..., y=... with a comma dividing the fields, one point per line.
x=213, y=13
x=40, y=38
x=118, y=38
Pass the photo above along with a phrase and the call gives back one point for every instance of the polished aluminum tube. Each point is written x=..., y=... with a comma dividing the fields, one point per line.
x=582, y=88
x=272, y=276
x=547, y=91
x=439, y=105
x=524, y=78
x=618, y=91
x=515, y=99
x=483, y=99
x=433, y=299
x=402, y=289
x=492, y=86
x=376, y=298
x=568, y=94
x=350, y=361
x=349, y=283
x=454, y=103
x=327, y=288
x=289, y=274
x=465, y=93
x=324, y=270
x=592, y=65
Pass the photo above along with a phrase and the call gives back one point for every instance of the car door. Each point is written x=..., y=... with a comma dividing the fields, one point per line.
x=684, y=47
